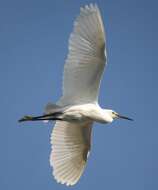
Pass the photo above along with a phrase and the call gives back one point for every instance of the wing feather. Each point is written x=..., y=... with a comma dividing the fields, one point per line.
x=86, y=58
x=70, y=147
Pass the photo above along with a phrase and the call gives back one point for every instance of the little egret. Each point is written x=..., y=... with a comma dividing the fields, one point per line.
x=78, y=108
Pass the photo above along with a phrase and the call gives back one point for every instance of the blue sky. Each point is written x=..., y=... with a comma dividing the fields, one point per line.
x=33, y=46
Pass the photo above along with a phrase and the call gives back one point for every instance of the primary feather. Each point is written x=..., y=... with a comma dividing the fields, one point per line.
x=86, y=58
x=70, y=146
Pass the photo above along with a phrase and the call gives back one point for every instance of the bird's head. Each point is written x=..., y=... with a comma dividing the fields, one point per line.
x=116, y=115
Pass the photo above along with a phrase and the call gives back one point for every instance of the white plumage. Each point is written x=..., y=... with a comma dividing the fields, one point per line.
x=78, y=108
x=86, y=59
x=71, y=143
x=82, y=73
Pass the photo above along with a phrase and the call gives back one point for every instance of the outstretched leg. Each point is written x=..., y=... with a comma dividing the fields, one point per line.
x=51, y=116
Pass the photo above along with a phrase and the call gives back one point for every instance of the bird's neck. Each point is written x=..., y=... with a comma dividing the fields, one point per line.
x=107, y=115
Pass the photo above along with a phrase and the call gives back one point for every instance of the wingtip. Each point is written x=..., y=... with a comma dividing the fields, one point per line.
x=90, y=6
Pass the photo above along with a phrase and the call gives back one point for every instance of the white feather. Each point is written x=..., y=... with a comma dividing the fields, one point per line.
x=86, y=59
x=70, y=147
x=82, y=75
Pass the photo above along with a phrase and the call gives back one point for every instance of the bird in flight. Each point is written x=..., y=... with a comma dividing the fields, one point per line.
x=78, y=108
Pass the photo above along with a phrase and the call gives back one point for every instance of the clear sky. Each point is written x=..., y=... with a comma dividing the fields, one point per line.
x=33, y=46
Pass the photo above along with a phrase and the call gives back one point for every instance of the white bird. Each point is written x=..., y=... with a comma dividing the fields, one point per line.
x=78, y=108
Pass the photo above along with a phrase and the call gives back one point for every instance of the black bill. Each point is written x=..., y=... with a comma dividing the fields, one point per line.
x=124, y=117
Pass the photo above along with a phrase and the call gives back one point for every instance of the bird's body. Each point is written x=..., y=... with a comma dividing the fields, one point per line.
x=83, y=112
x=78, y=108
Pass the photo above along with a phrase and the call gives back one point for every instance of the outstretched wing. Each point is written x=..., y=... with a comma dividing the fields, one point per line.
x=86, y=58
x=70, y=147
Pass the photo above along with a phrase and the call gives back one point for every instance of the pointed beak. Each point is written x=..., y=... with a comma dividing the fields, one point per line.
x=124, y=117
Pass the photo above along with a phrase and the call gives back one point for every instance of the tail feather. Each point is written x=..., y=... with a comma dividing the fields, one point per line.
x=50, y=108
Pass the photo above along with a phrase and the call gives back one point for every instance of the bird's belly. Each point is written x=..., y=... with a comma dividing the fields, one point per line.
x=74, y=117
x=82, y=113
